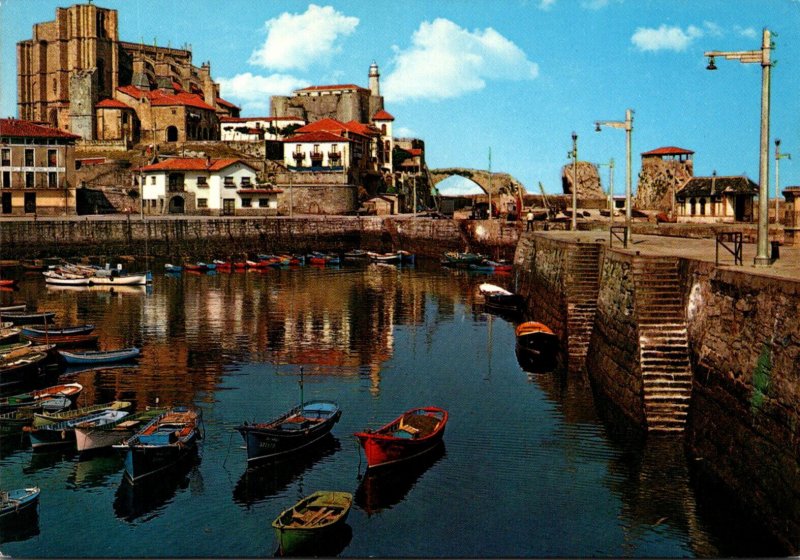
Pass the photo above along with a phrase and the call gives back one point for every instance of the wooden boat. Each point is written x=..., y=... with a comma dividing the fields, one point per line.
x=17, y=502
x=13, y=346
x=77, y=329
x=138, y=279
x=13, y=307
x=410, y=435
x=389, y=258
x=54, y=278
x=27, y=317
x=161, y=443
x=195, y=267
x=500, y=299
x=536, y=339
x=407, y=257
x=70, y=390
x=7, y=282
x=89, y=438
x=313, y=518
x=461, y=260
x=63, y=433
x=9, y=334
x=14, y=365
x=13, y=421
x=46, y=418
x=99, y=356
x=297, y=429
x=172, y=267
x=356, y=255
x=63, y=340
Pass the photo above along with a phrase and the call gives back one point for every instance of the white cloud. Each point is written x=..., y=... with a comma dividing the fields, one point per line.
x=748, y=32
x=713, y=29
x=254, y=92
x=665, y=38
x=405, y=132
x=445, y=61
x=298, y=40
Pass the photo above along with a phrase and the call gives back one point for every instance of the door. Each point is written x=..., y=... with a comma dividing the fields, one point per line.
x=6, y=203
x=228, y=206
x=176, y=205
x=739, y=208
x=30, y=203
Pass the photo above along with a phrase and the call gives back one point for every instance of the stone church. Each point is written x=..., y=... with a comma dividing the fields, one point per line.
x=76, y=75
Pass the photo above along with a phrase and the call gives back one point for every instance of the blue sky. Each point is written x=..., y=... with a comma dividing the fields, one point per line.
x=514, y=76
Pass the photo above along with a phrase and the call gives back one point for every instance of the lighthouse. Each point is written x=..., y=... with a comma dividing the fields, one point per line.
x=374, y=79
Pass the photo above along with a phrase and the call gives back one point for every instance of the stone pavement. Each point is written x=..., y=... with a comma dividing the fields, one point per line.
x=787, y=267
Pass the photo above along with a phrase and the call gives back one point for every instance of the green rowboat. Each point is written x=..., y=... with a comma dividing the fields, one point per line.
x=311, y=520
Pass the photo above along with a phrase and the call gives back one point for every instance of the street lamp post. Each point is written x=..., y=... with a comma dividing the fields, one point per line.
x=761, y=57
x=574, y=155
x=778, y=157
x=627, y=126
x=610, y=195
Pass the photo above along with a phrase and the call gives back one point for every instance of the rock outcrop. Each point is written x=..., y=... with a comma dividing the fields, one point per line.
x=588, y=180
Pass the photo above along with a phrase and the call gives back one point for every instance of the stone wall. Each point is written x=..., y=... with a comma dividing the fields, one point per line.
x=613, y=358
x=744, y=338
x=588, y=180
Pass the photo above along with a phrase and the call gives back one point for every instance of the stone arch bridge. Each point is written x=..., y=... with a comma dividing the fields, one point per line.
x=492, y=183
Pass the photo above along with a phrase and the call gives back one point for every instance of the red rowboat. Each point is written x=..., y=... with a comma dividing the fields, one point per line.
x=7, y=282
x=410, y=435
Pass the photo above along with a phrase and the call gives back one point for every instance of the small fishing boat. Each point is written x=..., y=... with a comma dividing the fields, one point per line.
x=63, y=433
x=121, y=279
x=70, y=390
x=172, y=267
x=313, y=518
x=161, y=443
x=51, y=277
x=63, y=340
x=487, y=265
x=410, y=435
x=11, y=347
x=356, y=255
x=9, y=334
x=16, y=364
x=89, y=437
x=13, y=307
x=46, y=418
x=7, y=282
x=16, y=502
x=407, y=257
x=77, y=329
x=27, y=317
x=195, y=267
x=500, y=299
x=100, y=356
x=299, y=428
x=392, y=258
x=13, y=421
x=461, y=260
x=536, y=339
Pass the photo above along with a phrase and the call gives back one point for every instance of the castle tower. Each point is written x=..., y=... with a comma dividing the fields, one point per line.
x=663, y=172
x=374, y=80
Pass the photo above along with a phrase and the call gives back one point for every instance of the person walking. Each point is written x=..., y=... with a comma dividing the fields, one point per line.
x=529, y=218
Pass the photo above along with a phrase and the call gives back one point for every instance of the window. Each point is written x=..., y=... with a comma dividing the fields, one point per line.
x=6, y=157
x=6, y=179
x=202, y=182
x=263, y=203
x=52, y=180
x=52, y=158
x=28, y=180
x=153, y=180
x=246, y=181
x=30, y=202
x=28, y=157
x=228, y=182
x=247, y=203
x=693, y=203
x=202, y=203
x=702, y=206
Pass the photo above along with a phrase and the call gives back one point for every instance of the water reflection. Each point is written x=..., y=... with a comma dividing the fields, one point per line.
x=146, y=499
x=330, y=545
x=96, y=471
x=46, y=460
x=383, y=488
x=260, y=482
x=20, y=526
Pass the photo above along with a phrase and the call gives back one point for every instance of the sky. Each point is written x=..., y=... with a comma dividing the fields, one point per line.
x=498, y=84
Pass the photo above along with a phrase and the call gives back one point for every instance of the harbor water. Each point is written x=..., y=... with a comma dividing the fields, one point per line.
x=531, y=466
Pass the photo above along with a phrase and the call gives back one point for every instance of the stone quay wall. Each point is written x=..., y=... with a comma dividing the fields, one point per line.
x=743, y=429
x=210, y=237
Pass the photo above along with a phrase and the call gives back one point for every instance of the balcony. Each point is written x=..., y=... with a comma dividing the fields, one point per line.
x=176, y=188
x=334, y=156
x=299, y=157
x=316, y=159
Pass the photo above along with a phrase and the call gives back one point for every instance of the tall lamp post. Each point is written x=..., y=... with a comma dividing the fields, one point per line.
x=574, y=155
x=778, y=157
x=761, y=57
x=627, y=126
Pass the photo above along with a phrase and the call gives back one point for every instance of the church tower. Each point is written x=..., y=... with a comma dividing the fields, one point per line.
x=374, y=80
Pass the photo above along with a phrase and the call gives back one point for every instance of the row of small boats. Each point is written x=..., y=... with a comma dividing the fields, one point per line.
x=263, y=261
x=474, y=261
x=86, y=275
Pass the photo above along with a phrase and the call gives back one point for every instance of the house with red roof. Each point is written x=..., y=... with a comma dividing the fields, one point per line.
x=205, y=186
x=37, y=170
x=664, y=170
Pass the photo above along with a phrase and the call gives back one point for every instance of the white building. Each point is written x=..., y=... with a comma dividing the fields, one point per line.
x=205, y=186
x=318, y=150
x=256, y=128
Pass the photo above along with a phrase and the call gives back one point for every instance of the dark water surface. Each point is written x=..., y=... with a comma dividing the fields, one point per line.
x=528, y=468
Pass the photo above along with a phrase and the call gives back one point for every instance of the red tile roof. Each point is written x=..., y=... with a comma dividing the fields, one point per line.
x=361, y=128
x=338, y=127
x=193, y=164
x=316, y=136
x=25, y=129
x=667, y=151
x=268, y=119
x=382, y=116
x=259, y=191
x=111, y=104
x=331, y=88
x=160, y=98
x=225, y=103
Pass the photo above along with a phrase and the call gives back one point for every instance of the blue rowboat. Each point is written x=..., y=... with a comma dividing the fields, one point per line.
x=172, y=267
x=161, y=443
x=63, y=433
x=18, y=501
x=100, y=356
x=38, y=331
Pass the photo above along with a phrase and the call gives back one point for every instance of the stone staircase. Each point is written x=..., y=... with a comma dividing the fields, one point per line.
x=663, y=344
x=583, y=285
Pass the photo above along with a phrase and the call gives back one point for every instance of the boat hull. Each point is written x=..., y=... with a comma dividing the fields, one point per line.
x=273, y=440
x=146, y=460
x=99, y=437
x=391, y=444
x=99, y=357
x=301, y=529
x=18, y=502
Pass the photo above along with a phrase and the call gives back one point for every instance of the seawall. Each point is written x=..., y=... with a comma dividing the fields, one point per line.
x=740, y=408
